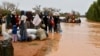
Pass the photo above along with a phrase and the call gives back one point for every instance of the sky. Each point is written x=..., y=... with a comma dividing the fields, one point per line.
x=65, y=5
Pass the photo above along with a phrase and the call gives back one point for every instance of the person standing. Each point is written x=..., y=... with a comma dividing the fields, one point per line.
x=51, y=23
x=13, y=19
x=29, y=19
x=0, y=24
x=8, y=21
x=14, y=33
x=17, y=20
x=57, y=21
x=45, y=20
x=22, y=27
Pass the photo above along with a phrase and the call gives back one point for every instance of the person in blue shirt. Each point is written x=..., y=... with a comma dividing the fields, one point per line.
x=14, y=33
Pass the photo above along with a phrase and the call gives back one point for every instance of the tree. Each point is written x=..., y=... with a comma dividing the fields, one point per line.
x=93, y=12
x=98, y=1
x=37, y=9
x=46, y=10
x=50, y=10
x=8, y=6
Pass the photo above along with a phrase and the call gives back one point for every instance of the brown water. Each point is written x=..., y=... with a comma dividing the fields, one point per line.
x=76, y=40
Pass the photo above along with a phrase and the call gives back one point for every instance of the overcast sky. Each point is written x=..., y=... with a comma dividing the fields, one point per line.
x=65, y=5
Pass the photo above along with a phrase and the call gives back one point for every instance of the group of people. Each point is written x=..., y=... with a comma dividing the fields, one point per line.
x=24, y=21
x=51, y=22
x=14, y=21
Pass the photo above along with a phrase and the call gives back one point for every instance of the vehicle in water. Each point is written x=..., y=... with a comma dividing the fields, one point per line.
x=76, y=20
x=70, y=20
x=73, y=19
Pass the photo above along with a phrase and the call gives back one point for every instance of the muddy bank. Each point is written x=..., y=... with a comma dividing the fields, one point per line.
x=51, y=44
x=36, y=47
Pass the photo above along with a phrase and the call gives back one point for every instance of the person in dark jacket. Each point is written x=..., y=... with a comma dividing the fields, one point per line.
x=29, y=19
x=8, y=21
x=57, y=21
x=45, y=21
x=13, y=19
x=0, y=19
x=0, y=23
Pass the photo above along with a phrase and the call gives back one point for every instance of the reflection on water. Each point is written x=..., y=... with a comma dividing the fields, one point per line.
x=76, y=40
x=95, y=34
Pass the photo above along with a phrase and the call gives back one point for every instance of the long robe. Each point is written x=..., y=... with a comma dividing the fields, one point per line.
x=23, y=32
x=22, y=27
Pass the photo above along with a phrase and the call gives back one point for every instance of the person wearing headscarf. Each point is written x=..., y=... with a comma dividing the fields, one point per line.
x=22, y=27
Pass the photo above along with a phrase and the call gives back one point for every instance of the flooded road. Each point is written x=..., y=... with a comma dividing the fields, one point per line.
x=76, y=40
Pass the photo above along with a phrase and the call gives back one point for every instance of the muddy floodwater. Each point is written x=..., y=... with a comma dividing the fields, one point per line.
x=76, y=40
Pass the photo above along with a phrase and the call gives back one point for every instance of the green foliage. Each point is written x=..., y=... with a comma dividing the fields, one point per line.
x=98, y=1
x=93, y=12
x=63, y=14
x=7, y=7
x=4, y=12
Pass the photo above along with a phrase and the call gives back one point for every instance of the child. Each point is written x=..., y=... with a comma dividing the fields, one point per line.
x=14, y=33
